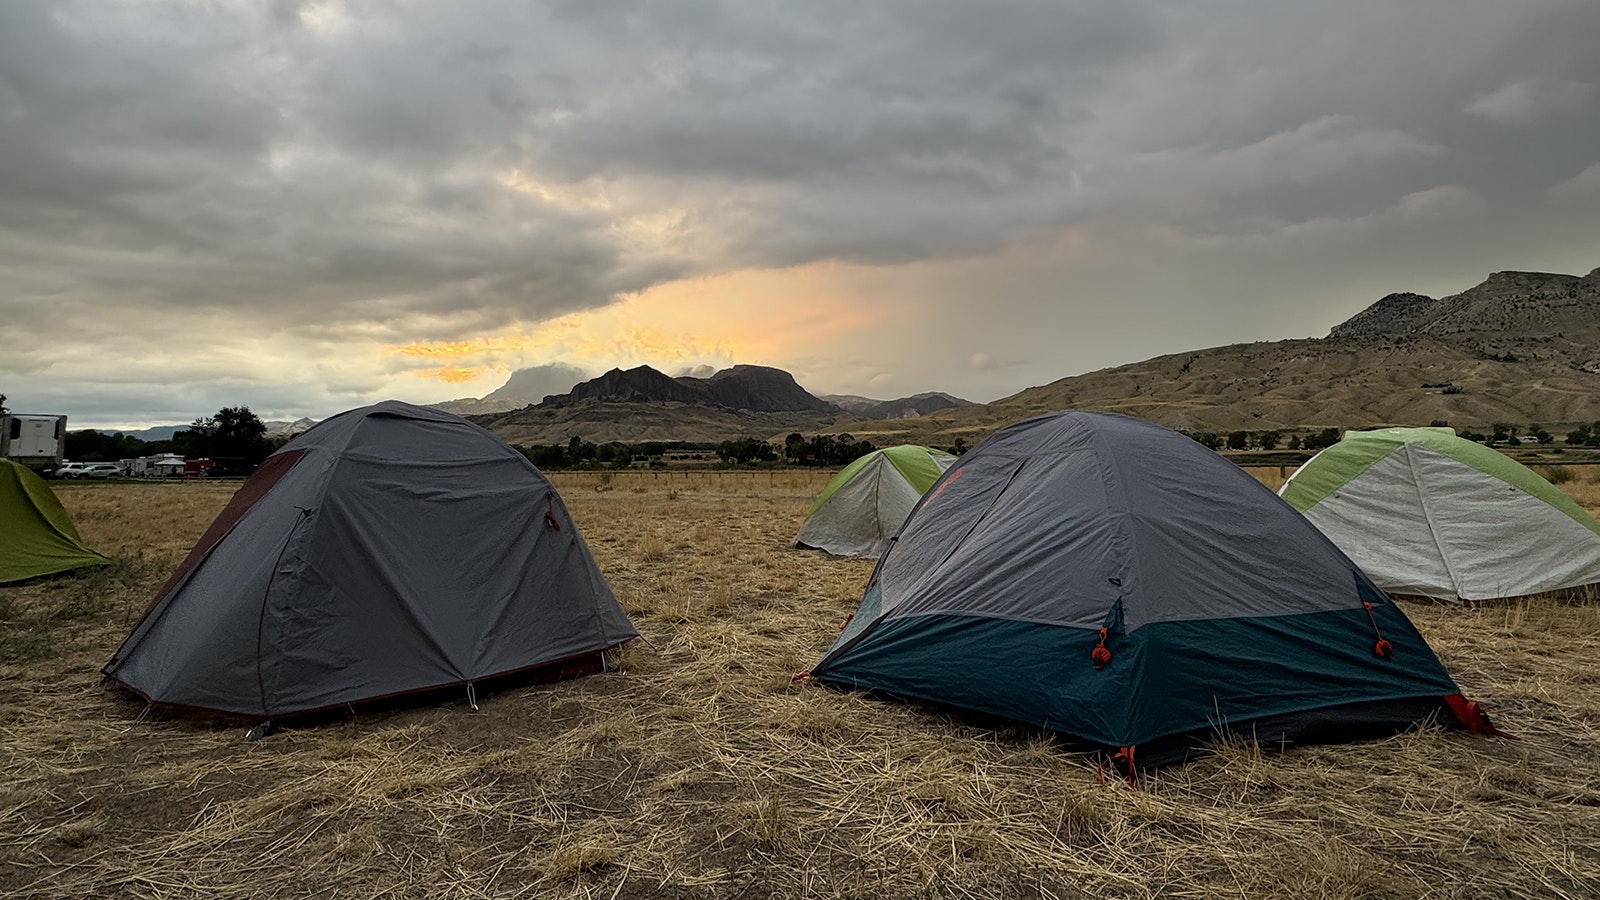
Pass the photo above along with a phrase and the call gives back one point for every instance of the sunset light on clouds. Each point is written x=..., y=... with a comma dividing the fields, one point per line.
x=768, y=317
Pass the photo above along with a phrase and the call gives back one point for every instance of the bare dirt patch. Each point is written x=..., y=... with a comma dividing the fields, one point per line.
x=699, y=769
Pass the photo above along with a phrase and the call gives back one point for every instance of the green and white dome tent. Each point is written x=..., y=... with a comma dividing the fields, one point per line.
x=859, y=511
x=1423, y=511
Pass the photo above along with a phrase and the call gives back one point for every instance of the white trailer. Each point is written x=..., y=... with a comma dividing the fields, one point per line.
x=34, y=440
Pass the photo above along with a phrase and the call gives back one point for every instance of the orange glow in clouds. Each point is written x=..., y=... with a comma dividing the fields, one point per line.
x=457, y=374
x=760, y=316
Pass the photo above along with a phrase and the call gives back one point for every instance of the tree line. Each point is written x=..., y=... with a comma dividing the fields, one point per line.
x=823, y=450
x=237, y=436
x=234, y=434
x=1509, y=434
x=578, y=453
x=1266, y=440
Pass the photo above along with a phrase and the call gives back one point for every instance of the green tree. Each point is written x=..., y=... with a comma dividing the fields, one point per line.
x=746, y=450
x=195, y=441
x=90, y=445
x=1238, y=440
x=1327, y=437
x=239, y=433
x=233, y=433
x=1269, y=439
x=794, y=447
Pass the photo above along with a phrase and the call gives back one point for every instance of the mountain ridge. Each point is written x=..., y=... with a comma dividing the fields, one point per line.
x=1519, y=347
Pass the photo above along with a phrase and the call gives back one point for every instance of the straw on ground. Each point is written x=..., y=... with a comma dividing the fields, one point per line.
x=699, y=769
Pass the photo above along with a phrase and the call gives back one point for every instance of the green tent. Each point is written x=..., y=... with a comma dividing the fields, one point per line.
x=1423, y=511
x=36, y=537
x=859, y=511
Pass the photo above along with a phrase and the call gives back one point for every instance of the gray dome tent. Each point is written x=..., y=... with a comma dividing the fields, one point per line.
x=1117, y=582
x=389, y=549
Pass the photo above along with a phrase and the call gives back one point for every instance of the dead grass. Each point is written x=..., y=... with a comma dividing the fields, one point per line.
x=699, y=769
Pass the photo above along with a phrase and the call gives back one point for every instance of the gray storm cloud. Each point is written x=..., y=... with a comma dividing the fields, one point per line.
x=179, y=174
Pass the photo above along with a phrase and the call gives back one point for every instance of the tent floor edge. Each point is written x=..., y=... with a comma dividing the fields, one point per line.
x=579, y=665
x=1368, y=720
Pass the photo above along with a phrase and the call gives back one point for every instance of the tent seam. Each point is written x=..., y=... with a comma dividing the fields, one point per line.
x=1433, y=528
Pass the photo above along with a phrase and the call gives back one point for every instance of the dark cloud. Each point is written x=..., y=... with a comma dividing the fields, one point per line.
x=390, y=172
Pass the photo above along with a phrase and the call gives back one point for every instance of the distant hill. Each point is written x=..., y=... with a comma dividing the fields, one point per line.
x=276, y=428
x=1521, y=347
x=752, y=388
x=644, y=404
x=157, y=433
x=903, y=408
x=850, y=403
x=914, y=406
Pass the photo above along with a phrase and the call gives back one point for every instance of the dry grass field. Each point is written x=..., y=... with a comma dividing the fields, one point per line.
x=698, y=768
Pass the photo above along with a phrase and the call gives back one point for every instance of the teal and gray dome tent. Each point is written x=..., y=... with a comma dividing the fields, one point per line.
x=1117, y=582
x=389, y=549
x=862, y=507
x=1425, y=512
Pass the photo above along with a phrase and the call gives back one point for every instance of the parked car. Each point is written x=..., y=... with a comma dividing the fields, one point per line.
x=99, y=470
x=67, y=470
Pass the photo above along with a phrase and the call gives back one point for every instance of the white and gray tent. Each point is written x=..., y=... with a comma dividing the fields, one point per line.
x=389, y=549
x=1423, y=511
x=862, y=507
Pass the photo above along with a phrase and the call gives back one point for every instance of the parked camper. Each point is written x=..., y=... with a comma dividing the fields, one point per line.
x=34, y=440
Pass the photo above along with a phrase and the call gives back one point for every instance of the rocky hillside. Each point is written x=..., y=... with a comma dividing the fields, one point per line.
x=1520, y=347
x=1391, y=315
x=762, y=389
x=641, y=385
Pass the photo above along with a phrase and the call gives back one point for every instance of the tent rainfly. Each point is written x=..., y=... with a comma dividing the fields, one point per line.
x=389, y=549
x=862, y=507
x=1119, y=583
x=1423, y=511
x=36, y=535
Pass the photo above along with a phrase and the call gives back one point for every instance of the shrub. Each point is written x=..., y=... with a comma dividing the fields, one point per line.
x=1557, y=474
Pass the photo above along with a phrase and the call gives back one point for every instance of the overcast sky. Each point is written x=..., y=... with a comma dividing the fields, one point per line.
x=304, y=207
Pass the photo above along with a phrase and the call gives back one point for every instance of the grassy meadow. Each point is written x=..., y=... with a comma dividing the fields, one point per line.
x=699, y=768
